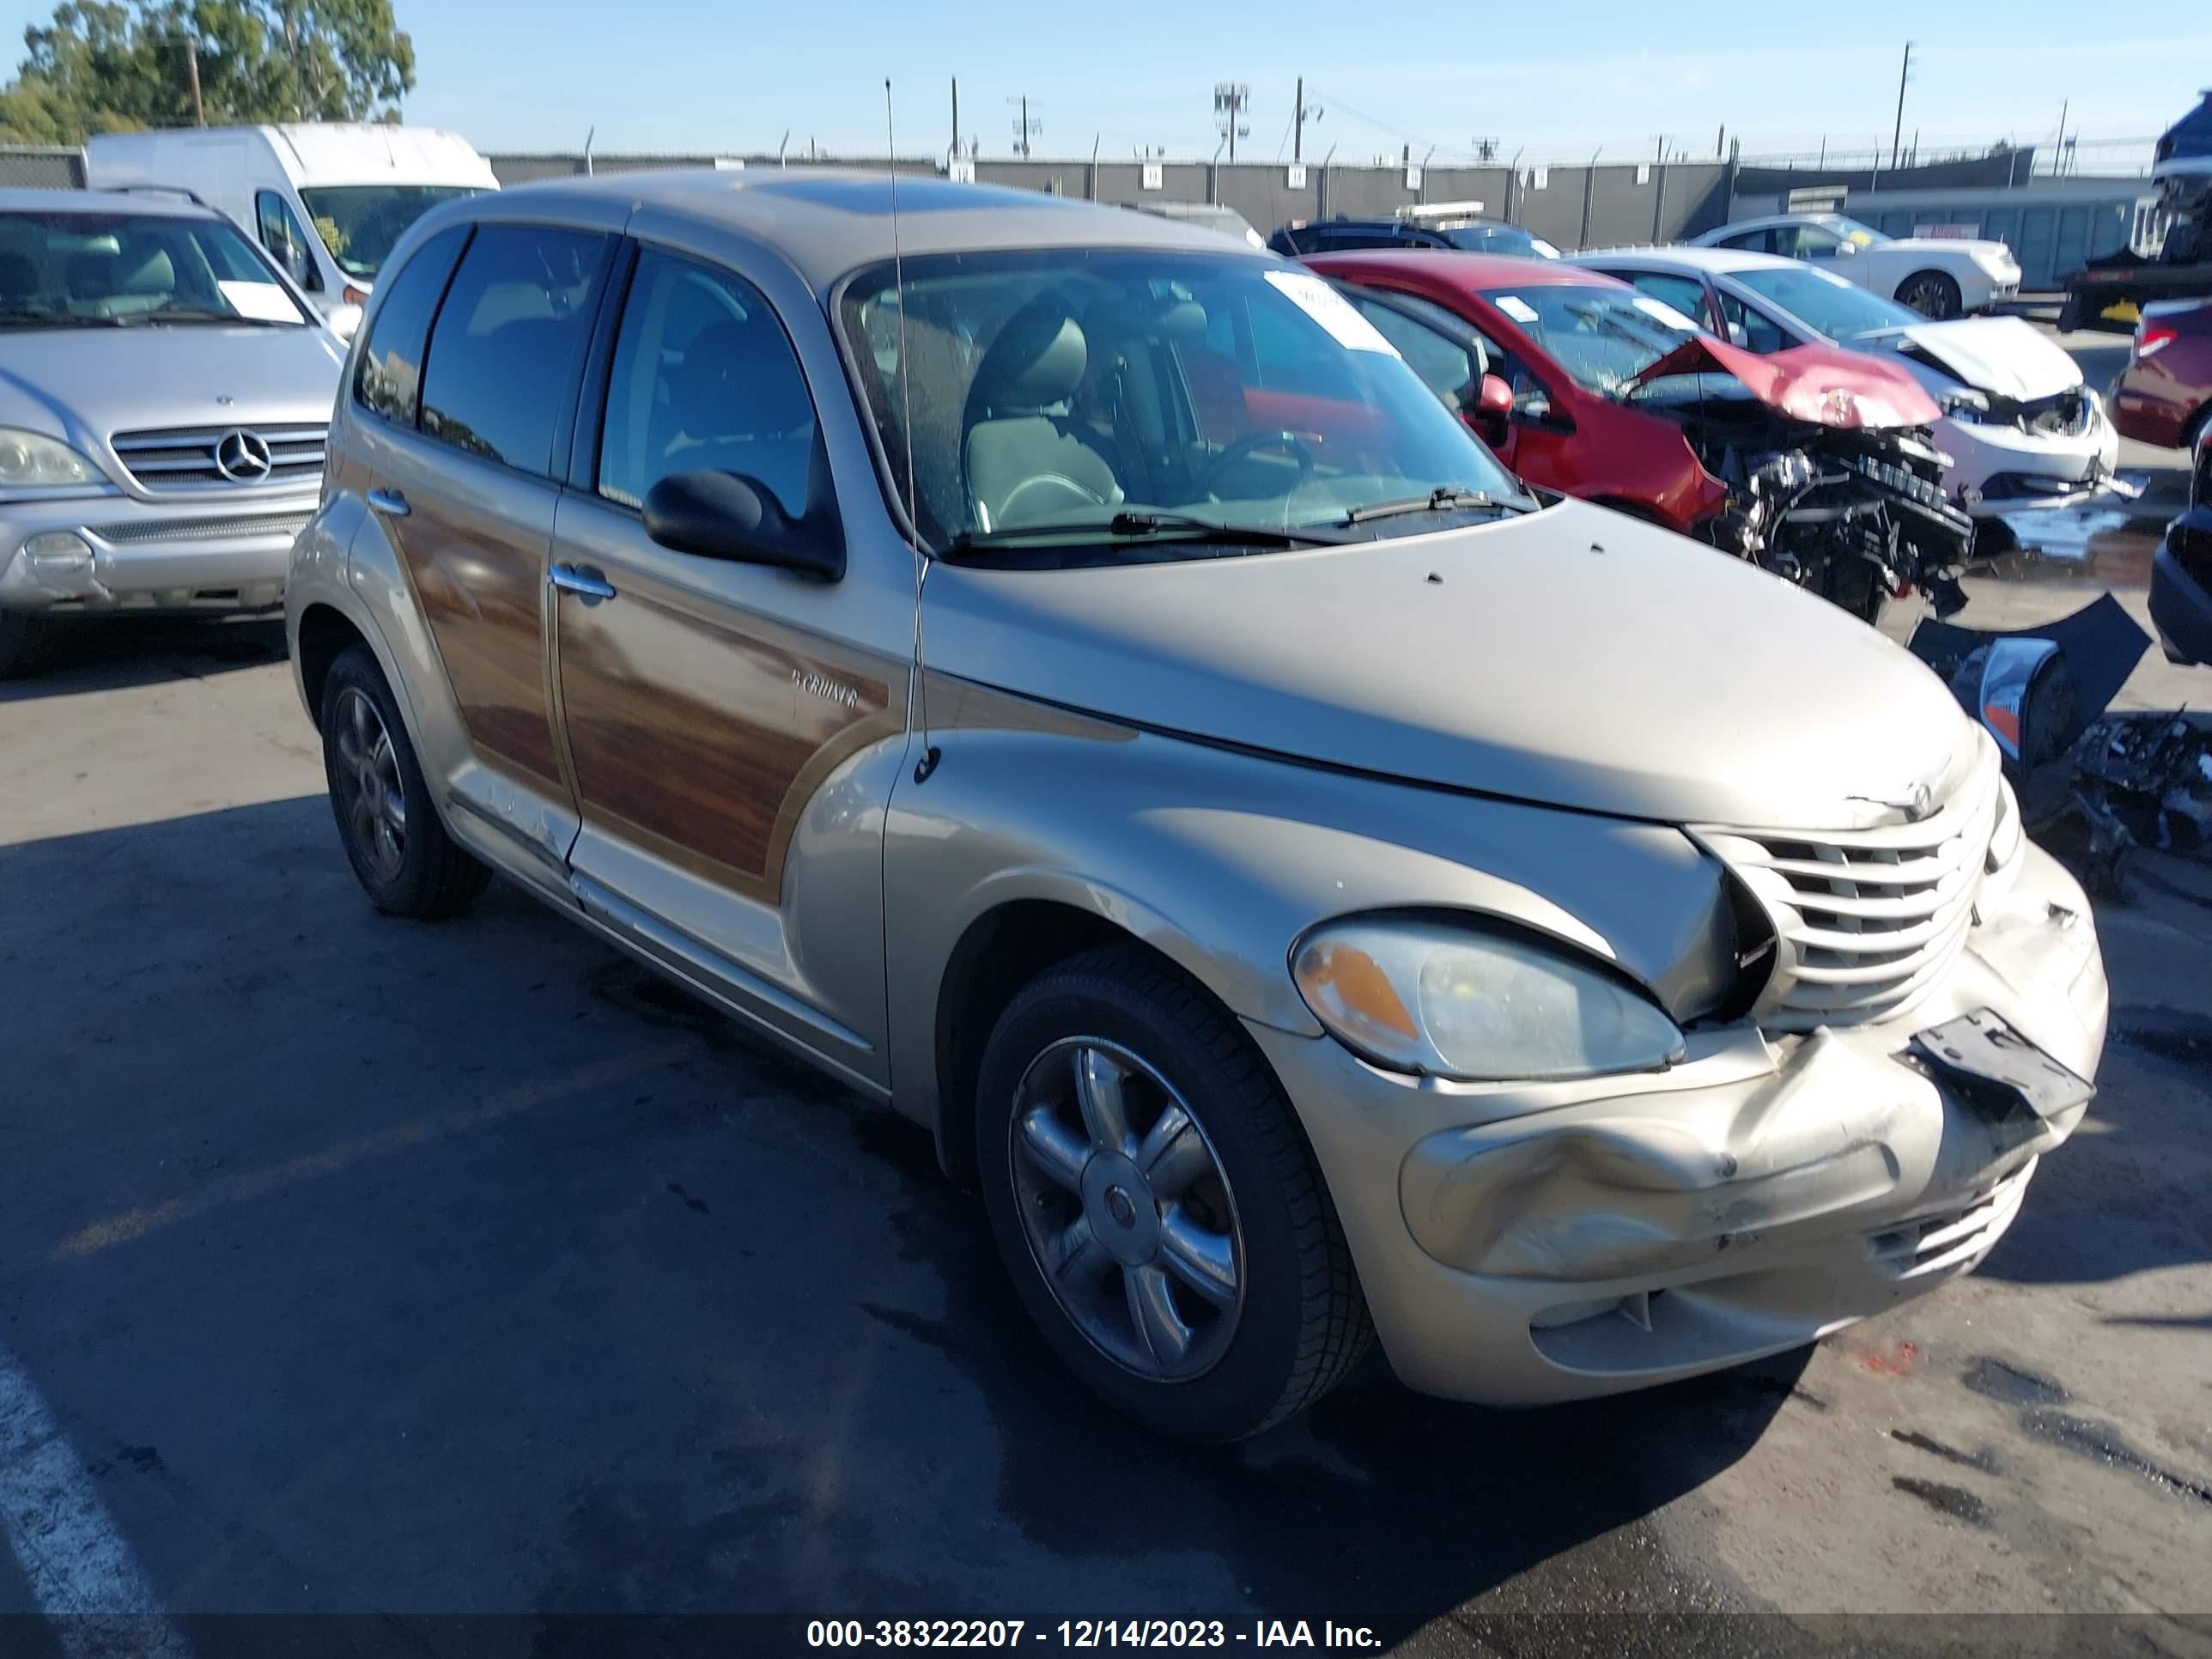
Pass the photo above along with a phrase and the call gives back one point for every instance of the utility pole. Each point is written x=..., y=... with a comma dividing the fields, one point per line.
x=1025, y=129
x=955, y=118
x=1298, y=123
x=192, y=74
x=1897, y=137
x=1231, y=100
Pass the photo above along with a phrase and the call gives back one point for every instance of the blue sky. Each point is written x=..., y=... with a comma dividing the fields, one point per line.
x=1560, y=80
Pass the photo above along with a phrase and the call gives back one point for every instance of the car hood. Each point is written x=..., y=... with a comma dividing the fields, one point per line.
x=1572, y=657
x=1923, y=249
x=82, y=384
x=2004, y=355
x=1818, y=384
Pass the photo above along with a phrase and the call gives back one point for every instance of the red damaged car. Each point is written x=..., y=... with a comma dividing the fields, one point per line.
x=1815, y=462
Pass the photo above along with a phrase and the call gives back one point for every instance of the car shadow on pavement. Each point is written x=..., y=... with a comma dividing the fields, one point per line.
x=470, y=1267
x=109, y=654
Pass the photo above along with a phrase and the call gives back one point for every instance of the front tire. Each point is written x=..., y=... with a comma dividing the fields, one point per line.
x=399, y=851
x=1932, y=293
x=1153, y=1195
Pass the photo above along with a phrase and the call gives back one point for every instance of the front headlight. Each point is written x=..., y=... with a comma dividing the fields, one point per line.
x=31, y=460
x=1441, y=1000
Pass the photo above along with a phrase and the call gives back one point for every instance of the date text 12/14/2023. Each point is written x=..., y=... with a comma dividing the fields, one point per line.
x=1079, y=1633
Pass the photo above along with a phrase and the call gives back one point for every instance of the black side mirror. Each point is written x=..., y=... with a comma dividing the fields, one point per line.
x=725, y=515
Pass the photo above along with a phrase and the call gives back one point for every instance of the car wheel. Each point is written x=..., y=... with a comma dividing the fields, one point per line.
x=405, y=861
x=1154, y=1198
x=22, y=639
x=1931, y=293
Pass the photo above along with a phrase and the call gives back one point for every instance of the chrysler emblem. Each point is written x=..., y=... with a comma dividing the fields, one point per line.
x=241, y=456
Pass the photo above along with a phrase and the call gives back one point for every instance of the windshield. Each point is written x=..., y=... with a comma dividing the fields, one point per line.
x=112, y=269
x=1852, y=231
x=358, y=223
x=1602, y=336
x=1828, y=304
x=1148, y=391
x=1499, y=239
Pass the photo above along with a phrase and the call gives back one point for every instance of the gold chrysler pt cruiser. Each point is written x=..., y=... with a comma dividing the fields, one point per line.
x=1063, y=673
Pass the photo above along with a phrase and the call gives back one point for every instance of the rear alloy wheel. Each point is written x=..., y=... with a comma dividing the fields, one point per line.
x=405, y=862
x=1152, y=1194
x=1931, y=293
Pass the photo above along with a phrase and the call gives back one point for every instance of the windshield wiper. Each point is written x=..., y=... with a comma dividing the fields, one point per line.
x=1449, y=499
x=1137, y=527
x=201, y=314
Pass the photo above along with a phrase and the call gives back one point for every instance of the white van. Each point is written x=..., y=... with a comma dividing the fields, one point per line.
x=357, y=187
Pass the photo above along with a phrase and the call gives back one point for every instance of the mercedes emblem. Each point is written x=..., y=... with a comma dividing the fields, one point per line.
x=242, y=457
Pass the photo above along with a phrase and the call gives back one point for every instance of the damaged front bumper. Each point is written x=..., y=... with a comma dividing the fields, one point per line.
x=2029, y=477
x=1522, y=1245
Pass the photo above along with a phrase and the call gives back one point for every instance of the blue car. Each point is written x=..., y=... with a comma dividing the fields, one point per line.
x=2181, y=576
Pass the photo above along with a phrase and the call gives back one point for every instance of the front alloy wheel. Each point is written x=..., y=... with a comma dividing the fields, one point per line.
x=1126, y=1210
x=1152, y=1194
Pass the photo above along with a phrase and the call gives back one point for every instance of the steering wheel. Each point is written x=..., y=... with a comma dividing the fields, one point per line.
x=1257, y=443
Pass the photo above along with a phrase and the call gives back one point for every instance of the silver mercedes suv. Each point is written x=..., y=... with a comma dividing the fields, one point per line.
x=163, y=397
x=1060, y=672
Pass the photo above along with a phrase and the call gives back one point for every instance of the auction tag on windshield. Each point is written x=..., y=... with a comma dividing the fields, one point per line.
x=1516, y=307
x=1331, y=310
x=263, y=301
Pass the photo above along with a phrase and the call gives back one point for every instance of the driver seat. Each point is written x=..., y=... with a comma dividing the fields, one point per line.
x=1024, y=464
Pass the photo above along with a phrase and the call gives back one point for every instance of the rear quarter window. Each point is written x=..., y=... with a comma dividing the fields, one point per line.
x=388, y=378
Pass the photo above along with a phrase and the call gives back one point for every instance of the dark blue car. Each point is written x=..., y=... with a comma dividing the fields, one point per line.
x=2181, y=577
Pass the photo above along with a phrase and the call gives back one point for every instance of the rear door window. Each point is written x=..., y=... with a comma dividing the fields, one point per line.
x=389, y=377
x=508, y=340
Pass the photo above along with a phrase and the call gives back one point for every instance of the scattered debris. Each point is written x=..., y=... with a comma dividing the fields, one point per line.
x=2152, y=775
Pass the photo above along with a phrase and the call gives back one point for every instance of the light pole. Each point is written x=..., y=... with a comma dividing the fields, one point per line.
x=1897, y=137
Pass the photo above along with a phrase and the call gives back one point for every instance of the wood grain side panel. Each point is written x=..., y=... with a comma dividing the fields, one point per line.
x=482, y=593
x=701, y=738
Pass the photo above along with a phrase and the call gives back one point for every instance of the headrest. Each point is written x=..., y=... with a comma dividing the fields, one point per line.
x=154, y=273
x=1036, y=360
x=1169, y=319
x=18, y=275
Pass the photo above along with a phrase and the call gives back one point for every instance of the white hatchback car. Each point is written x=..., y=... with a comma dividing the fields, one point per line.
x=2022, y=433
x=1938, y=276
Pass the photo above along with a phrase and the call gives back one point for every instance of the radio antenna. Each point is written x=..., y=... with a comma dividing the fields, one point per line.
x=927, y=763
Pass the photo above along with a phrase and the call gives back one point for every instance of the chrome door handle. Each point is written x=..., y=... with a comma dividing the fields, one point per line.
x=389, y=502
x=587, y=581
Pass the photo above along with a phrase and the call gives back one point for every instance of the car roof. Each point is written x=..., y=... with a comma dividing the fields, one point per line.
x=162, y=203
x=1473, y=272
x=1716, y=261
x=830, y=222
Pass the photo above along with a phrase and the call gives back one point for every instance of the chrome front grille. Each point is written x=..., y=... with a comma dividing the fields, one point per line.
x=179, y=459
x=1866, y=920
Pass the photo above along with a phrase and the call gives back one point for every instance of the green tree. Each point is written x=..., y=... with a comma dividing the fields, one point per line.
x=103, y=64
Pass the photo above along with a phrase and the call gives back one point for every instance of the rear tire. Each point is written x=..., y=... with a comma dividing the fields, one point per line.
x=1271, y=1318
x=400, y=853
x=23, y=643
x=1932, y=293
